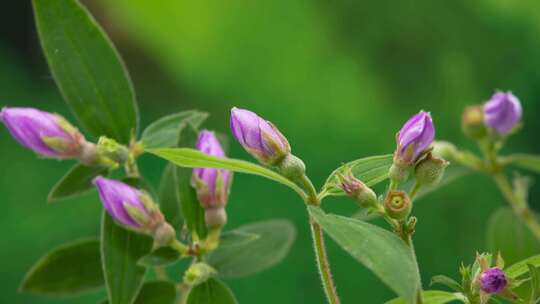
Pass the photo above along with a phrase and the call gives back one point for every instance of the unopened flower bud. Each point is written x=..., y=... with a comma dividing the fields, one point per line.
x=502, y=112
x=357, y=190
x=430, y=170
x=493, y=280
x=413, y=141
x=414, y=138
x=259, y=137
x=397, y=205
x=472, y=122
x=212, y=185
x=45, y=133
x=133, y=209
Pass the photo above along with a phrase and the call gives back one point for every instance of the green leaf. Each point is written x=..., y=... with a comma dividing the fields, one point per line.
x=120, y=251
x=191, y=158
x=156, y=292
x=68, y=270
x=535, y=283
x=87, y=69
x=77, y=181
x=520, y=268
x=163, y=256
x=189, y=203
x=163, y=133
x=434, y=297
x=506, y=234
x=525, y=161
x=370, y=170
x=446, y=281
x=168, y=197
x=237, y=238
x=379, y=250
x=244, y=258
x=212, y=291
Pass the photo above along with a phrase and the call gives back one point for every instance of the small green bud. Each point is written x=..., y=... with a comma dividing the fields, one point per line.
x=291, y=167
x=397, y=205
x=472, y=122
x=445, y=150
x=198, y=273
x=430, y=170
x=357, y=190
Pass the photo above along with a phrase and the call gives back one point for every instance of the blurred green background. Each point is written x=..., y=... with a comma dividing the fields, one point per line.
x=338, y=77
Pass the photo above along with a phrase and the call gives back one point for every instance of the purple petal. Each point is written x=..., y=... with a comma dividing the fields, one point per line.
x=493, y=281
x=114, y=195
x=417, y=131
x=28, y=126
x=502, y=112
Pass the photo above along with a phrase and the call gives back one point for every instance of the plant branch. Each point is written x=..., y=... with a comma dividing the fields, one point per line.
x=322, y=263
x=318, y=244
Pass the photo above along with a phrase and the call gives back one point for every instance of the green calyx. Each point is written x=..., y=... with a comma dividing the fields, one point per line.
x=291, y=167
x=430, y=170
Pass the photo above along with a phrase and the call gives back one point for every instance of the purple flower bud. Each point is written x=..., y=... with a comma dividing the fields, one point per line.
x=414, y=138
x=356, y=189
x=127, y=205
x=45, y=133
x=259, y=137
x=493, y=280
x=212, y=185
x=502, y=112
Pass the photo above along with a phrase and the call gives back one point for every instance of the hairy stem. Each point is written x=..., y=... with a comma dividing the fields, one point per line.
x=318, y=244
x=322, y=263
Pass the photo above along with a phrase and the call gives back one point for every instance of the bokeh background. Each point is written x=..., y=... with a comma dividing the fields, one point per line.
x=338, y=78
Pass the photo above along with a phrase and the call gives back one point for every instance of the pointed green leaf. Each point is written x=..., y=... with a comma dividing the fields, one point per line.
x=87, y=69
x=435, y=297
x=191, y=158
x=163, y=256
x=520, y=268
x=68, y=270
x=77, y=181
x=120, y=251
x=379, y=250
x=163, y=133
x=506, y=233
x=370, y=170
x=446, y=281
x=185, y=193
x=525, y=161
x=252, y=255
x=156, y=292
x=212, y=291
x=168, y=197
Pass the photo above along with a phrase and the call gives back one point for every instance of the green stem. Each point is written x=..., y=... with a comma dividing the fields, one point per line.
x=318, y=244
x=409, y=241
x=519, y=206
x=517, y=203
x=414, y=190
x=322, y=263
